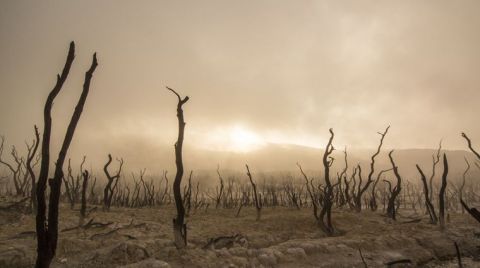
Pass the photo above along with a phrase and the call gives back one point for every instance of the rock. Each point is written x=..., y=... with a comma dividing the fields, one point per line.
x=239, y=261
x=238, y=251
x=148, y=263
x=122, y=253
x=267, y=259
x=297, y=252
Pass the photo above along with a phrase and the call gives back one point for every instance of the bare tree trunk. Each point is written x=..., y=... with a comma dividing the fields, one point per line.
x=47, y=232
x=179, y=227
x=326, y=211
x=357, y=198
x=258, y=205
x=428, y=203
x=31, y=155
x=110, y=187
x=83, y=208
x=391, y=210
x=441, y=195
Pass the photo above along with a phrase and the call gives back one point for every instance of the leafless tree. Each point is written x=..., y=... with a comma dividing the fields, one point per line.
x=357, y=197
x=325, y=216
x=258, y=204
x=32, y=152
x=47, y=228
x=179, y=227
x=391, y=209
x=112, y=182
x=435, y=161
x=219, y=191
x=83, y=207
x=428, y=203
x=15, y=169
x=441, y=195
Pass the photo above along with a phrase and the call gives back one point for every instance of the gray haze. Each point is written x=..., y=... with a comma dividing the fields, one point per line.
x=257, y=72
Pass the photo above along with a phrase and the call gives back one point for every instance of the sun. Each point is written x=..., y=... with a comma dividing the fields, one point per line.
x=243, y=140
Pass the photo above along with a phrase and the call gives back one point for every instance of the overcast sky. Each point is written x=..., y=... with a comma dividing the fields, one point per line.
x=263, y=71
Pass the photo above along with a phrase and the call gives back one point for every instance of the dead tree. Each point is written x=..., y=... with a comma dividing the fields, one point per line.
x=357, y=197
x=373, y=198
x=111, y=183
x=220, y=191
x=428, y=203
x=72, y=185
x=435, y=161
x=32, y=151
x=469, y=143
x=179, y=227
x=16, y=170
x=47, y=228
x=325, y=216
x=311, y=193
x=441, y=195
x=258, y=204
x=462, y=186
x=83, y=208
x=391, y=209
x=472, y=211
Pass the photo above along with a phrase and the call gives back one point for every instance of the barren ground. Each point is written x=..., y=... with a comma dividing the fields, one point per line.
x=284, y=237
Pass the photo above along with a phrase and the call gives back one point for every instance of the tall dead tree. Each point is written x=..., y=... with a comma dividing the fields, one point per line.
x=112, y=182
x=325, y=216
x=47, y=228
x=179, y=227
x=391, y=209
x=441, y=195
x=357, y=197
x=428, y=203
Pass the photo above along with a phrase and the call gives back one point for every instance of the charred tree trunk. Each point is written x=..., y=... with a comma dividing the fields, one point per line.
x=33, y=193
x=47, y=229
x=112, y=182
x=83, y=208
x=325, y=216
x=441, y=195
x=258, y=204
x=179, y=227
x=357, y=198
x=428, y=203
x=391, y=209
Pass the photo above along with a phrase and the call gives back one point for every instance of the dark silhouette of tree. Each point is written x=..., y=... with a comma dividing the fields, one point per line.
x=258, y=204
x=373, y=199
x=47, y=228
x=357, y=197
x=428, y=203
x=469, y=143
x=112, y=182
x=32, y=151
x=441, y=195
x=325, y=216
x=83, y=207
x=391, y=209
x=179, y=227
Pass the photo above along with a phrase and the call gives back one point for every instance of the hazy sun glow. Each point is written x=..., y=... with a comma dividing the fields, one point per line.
x=236, y=138
x=242, y=139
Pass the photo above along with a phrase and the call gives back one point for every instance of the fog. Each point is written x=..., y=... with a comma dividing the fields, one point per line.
x=257, y=72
